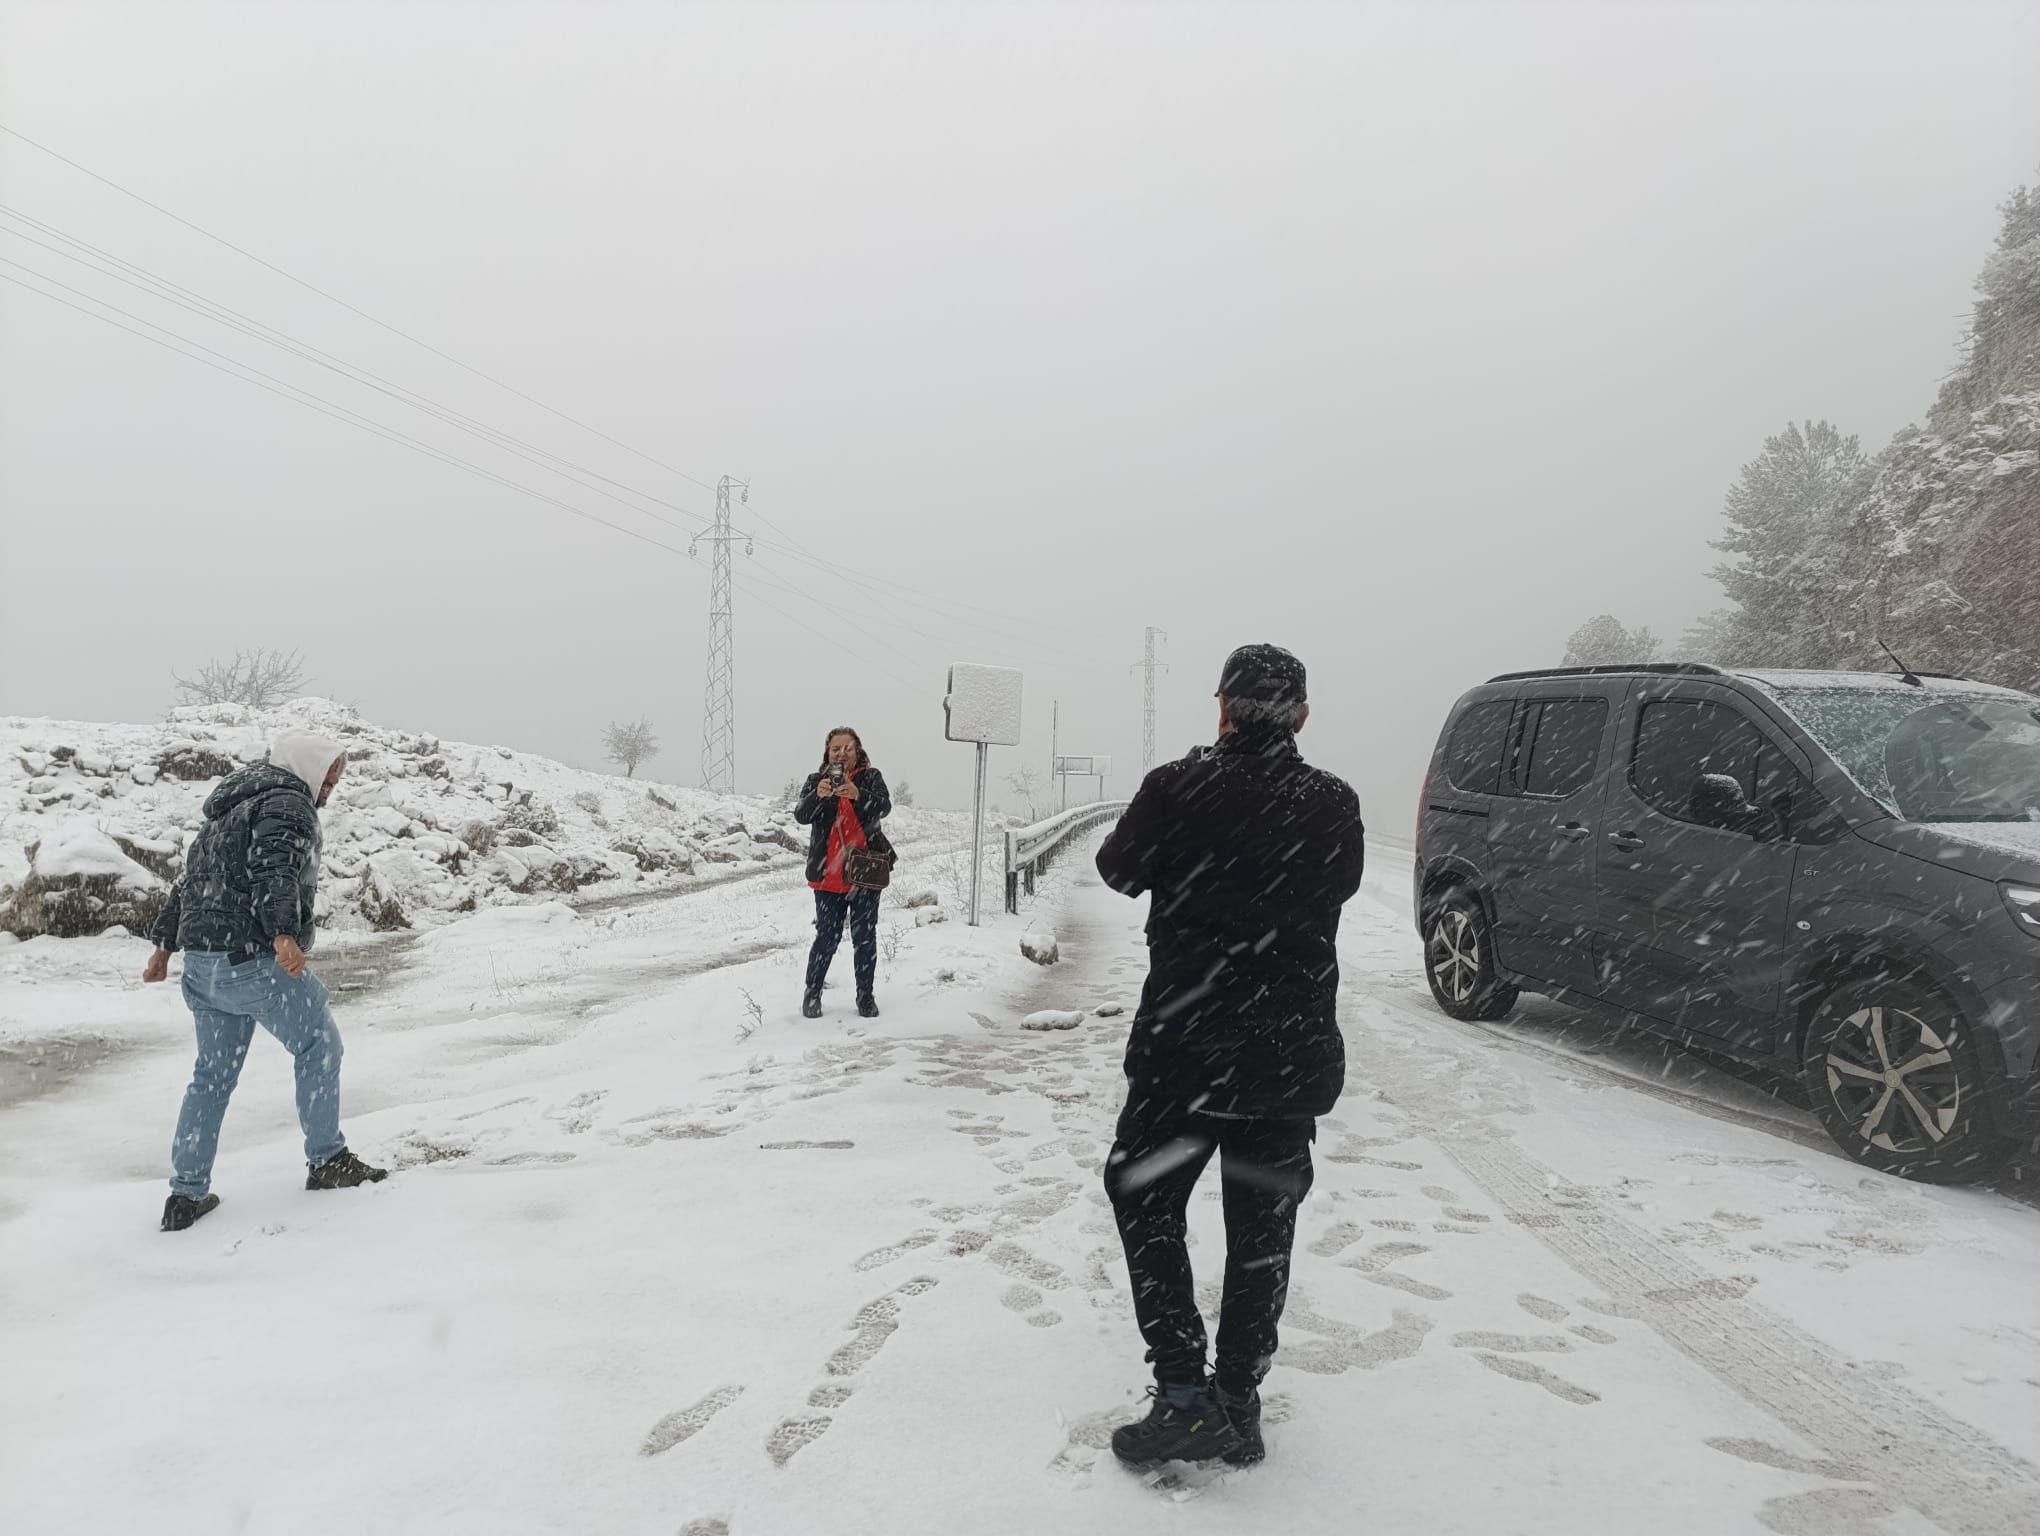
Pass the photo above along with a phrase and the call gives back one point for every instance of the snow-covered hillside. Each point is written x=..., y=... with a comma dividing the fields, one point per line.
x=95, y=818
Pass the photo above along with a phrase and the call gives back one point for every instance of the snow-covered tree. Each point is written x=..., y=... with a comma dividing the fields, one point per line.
x=1790, y=515
x=903, y=793
x=1604, y=641
x=629, y=744
x=1710, y=638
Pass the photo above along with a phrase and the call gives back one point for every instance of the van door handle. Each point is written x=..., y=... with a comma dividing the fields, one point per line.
x=1628, y=842
x=1573, y=831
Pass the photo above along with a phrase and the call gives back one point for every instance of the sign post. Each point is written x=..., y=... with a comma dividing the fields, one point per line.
x=982, y=706
x=1067, y=768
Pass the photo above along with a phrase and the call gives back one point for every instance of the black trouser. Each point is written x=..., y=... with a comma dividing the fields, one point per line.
x=831, y=907
x=1264, y=1169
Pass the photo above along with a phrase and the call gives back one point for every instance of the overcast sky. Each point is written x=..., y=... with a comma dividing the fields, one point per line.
x=1407, y=337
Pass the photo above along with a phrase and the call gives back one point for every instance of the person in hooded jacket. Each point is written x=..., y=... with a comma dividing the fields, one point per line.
x=242, y=915
x=841, y=804
x=1246, y=853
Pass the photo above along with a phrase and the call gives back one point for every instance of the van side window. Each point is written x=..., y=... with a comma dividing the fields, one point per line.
x=1558, y=743
x=1678, y=740
x=1473, y=757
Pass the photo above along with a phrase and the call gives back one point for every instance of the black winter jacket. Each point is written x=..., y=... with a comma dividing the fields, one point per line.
x=252, y=872
x=874, y=803
x=1249, y=853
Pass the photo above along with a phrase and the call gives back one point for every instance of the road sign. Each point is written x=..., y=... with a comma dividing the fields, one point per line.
x=983, y=705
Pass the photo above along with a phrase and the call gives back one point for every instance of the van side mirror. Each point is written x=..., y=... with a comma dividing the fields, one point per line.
x=1717, y=801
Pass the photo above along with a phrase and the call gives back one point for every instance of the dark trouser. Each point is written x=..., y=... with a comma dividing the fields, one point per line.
x=1264, y=1169
x=831, y=907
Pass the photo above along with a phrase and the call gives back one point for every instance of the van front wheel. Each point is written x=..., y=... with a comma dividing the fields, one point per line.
x=1459, y=961
x=1890, y=1071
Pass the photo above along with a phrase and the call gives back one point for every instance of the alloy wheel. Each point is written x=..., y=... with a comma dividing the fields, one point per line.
x=1455, y=954
x=1894, y=1079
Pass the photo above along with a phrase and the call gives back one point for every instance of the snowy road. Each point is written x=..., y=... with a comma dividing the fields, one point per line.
x=640, y=1274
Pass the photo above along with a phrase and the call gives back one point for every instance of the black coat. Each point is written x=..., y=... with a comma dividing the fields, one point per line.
x=818, y=815
x=253, y=871
x=1249, y=853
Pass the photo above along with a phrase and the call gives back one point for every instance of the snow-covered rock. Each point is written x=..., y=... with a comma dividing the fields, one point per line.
x=925, y=917
x=1053, y=1018
x=925, y=897
x=1040, y=947
x=1109, y=1010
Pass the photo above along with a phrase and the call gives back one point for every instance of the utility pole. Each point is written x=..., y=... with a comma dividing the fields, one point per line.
x=719, y=712
x=1147, y=665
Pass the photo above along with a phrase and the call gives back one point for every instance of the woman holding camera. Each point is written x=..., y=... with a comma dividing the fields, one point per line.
x=842, y=804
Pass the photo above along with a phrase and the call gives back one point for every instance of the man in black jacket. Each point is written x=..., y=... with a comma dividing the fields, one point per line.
x=242, y=914
x=1247, y=854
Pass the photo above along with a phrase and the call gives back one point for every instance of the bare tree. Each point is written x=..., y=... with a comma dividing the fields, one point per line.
x=630, y=744
x=1027, y=783
x=258, y=679
x=903, y=794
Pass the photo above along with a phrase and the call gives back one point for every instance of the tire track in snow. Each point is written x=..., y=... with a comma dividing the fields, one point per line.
x=1917, y=1454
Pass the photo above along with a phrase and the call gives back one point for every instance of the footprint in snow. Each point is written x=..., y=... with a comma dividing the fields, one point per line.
x=683, y=1425
x=1537, y=1375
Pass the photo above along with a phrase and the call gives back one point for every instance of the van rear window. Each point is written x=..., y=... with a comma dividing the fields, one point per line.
x=1561, y=745
x=1473, y=757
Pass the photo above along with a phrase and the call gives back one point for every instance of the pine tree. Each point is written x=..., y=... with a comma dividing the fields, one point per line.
x=1603, y=641
x=1789, y=519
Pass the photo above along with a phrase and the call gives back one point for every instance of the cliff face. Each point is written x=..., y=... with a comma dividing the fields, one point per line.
x=1945, y=557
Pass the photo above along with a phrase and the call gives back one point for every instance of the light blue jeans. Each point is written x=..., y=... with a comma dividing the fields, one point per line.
x=227, y=1001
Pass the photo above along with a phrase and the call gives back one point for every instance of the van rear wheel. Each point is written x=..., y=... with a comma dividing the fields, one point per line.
x=1459, y=960
x=1890, y=1071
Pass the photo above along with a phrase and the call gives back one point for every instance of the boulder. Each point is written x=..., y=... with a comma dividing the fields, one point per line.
x=927, y=917
x=391, y=886
x=781, y=837
x=79, y=882
x=922, y=898
x=1109, y=1010
x=1040, y=947
x=189, y=761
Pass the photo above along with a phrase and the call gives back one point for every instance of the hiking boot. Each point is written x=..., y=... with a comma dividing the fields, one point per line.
x=180, y=1211
x=811, y=1004
x=343, y=1170
x=867, y=1006
x=1243, y=1412
x=1184, y=1423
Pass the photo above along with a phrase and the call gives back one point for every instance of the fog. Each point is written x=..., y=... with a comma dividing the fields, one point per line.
x=1406, y=337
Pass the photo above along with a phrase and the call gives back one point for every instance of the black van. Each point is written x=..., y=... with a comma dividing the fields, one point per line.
x=1832, y=873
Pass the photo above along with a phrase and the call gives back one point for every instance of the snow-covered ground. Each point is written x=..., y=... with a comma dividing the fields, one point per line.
x=661, y=1256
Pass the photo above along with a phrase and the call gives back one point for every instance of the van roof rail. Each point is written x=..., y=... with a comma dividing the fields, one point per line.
x=1672, y=668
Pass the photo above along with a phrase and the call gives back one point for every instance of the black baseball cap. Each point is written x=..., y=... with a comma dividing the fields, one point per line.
x=1265, y=672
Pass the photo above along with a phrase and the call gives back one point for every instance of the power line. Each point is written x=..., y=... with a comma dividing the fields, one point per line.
x=849, y=576
x=159, y=287
x=234, y=368
x=353, y=309
x=220, y=362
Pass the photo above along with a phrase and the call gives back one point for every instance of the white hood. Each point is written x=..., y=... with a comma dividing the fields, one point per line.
x=308, y=755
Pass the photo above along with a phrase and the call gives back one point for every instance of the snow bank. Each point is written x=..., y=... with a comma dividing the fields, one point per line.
x=418, y=831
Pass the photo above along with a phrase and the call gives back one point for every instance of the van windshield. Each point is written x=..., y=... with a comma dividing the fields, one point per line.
x=1938, y=756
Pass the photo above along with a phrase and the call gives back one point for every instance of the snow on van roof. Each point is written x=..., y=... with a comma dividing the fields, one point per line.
x=1778, y=678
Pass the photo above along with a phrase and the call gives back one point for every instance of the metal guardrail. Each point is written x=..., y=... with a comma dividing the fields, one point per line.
x=1033, y=848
